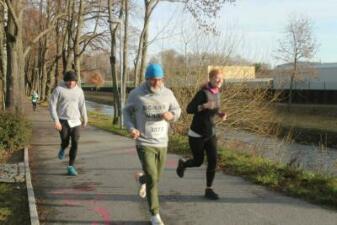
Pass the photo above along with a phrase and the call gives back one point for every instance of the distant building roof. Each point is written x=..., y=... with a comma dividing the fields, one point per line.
x=316, y=65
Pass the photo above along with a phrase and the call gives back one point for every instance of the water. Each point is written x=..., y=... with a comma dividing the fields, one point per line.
x=100, y=108
x=309, y=157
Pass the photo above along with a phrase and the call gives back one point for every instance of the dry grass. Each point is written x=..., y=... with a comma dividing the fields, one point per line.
x=247, y=108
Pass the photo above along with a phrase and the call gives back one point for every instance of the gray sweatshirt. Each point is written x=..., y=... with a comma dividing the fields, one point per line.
x=67, y=104
x=143, y=112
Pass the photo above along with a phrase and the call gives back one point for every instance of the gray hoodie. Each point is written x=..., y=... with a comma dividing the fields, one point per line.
x=67, y=104
x=143, y=112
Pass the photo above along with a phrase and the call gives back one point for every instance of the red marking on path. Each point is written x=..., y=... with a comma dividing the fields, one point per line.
x=93, y=206
x=103, y=213
x=171, y=164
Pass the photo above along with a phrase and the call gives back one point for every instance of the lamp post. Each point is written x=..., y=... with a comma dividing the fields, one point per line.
x=121, y=85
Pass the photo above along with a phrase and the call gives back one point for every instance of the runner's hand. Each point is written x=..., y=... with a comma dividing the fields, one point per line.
x=167, y=116
x=135, y=133
x=58, y=126
x=223, y=116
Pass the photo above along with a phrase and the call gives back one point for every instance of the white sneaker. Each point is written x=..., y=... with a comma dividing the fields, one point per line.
x=156, y=220
x=142, y=191
x=142, y=187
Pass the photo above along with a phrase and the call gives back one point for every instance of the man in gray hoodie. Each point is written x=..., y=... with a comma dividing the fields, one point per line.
x=149, y=109
x=68, y=111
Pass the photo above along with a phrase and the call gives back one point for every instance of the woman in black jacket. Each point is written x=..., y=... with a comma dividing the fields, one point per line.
x=205, y=105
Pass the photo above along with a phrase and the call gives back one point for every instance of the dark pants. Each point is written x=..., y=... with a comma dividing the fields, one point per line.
x=198, y=147
x=34, y=105
x=66, y=134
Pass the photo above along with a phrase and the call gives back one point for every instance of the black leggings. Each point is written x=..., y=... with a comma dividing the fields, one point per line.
x=198, y=147
x=66, y=133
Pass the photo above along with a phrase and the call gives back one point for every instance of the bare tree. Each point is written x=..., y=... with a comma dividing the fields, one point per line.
x=17, y=52
x=75, y=42
x=297, y=45
x=14, y=54
x=78, y=30
x=3, y=57
x=125, y=50
x=113, y=27
x=149, y=6
x=68, y=39
x=201, y=10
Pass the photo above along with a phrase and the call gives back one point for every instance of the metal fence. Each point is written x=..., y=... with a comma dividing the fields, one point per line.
x=306, y=85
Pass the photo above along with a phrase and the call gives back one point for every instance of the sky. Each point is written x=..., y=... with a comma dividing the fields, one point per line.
x=253, y=27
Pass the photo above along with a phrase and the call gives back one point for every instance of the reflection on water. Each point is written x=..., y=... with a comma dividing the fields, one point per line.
x=101, y=108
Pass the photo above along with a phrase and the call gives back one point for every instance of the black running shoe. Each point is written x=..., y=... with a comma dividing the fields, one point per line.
x=210, y=194
x=180, y=168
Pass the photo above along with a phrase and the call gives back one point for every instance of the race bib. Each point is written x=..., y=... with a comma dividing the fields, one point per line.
x=74, y=123
x=156, y=129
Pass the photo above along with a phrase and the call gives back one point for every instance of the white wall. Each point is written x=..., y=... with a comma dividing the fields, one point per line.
x=324, y=77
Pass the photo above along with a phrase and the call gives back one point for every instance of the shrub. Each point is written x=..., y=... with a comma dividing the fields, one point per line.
x=15, y=131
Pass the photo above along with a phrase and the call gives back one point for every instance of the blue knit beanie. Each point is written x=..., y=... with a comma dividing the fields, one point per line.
x=154, y=71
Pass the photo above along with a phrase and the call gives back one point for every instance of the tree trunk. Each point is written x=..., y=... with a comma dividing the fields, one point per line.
x=143, y=55
x=43, y=52
x=12, y=64
x=35, y=75
x=125, y=50
x=50, y=80
x=290, y=96
x=28, y=76
x=68, y=36
x=116, y=94
x=3, y=58
x=292, y=78
x=58, y=48
x=77, y=56
x=15, y=85
x=143, y=42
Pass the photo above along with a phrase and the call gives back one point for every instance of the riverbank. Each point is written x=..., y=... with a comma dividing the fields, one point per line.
x=290, y=180
x=99, y=97
x=309, y=124
x=304, y=124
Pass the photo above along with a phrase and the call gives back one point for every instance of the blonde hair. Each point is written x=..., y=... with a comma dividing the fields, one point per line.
x=214, y=72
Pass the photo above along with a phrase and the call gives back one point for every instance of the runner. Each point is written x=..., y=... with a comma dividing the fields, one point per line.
x=67, y=108
x=205, y=106
x=147, y=114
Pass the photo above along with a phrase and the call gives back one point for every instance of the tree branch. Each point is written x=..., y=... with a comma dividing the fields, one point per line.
x=12, y=13
x=40, y=35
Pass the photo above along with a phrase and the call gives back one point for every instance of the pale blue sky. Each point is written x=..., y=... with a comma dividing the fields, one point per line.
x=254, y=25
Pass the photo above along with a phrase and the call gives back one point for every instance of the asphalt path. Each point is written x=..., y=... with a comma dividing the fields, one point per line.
x=105, y=191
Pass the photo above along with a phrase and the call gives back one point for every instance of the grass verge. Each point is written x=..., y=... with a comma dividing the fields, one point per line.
x=105, y=123
x=312, y=187
x=13, y=204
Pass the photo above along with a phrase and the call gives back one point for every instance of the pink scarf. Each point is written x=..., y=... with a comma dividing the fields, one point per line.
x=213, y=90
